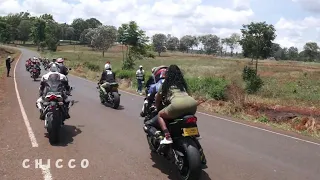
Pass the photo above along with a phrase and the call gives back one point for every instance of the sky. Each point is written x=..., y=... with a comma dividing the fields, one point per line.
x=296, y=21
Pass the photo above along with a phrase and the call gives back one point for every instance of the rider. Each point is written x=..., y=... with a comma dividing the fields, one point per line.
x=63, y=69
x=154, y=88
x=150, y=80
x=107, y=77
x=47, y=77
x=174, y=95
x=36, y=64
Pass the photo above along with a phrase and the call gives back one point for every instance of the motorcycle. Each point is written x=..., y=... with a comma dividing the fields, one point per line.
x=148, y=113
x=185, y=151
x=35, y=73
x=54, y=108
x=112, y=97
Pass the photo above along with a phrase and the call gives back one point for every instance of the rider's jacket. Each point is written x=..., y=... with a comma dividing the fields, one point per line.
x=108, y=76
x=63, y=69
x=154, y=88
x=53, y=76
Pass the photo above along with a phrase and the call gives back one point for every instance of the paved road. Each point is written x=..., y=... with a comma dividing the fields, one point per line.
x=115, y=145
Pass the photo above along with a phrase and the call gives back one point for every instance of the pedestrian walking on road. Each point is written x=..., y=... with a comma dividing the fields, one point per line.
x=8, y=65
x=140, y=79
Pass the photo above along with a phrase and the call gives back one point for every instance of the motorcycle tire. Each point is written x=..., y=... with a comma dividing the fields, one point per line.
x=192, y=167
x=116, y=100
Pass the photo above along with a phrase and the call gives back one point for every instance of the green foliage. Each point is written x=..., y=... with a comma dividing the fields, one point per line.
x=257, y=39
x=252, y=80
x=91, y=66
x=208, y=86
x=263, y=119
x=136, y=42
x=159, y=43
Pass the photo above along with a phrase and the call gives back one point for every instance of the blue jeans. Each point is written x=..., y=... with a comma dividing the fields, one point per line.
x=139, y=85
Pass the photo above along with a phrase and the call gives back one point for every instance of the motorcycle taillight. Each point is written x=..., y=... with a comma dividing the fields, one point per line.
x=191, y=120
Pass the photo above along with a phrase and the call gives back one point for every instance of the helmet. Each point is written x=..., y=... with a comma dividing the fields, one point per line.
x=159, y=72
x=140, y=66
x=9, y=57
x=107, y=67
x=152, y=70
x=60, y=60
x=53, y=68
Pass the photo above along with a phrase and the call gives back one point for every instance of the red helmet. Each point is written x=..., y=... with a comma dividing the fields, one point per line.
x=59, y=60
x=159, y=72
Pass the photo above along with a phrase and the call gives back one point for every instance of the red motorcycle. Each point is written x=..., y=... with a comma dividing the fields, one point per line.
x=35, y=73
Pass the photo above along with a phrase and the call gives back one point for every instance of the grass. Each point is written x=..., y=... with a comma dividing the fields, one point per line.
x=286, y=83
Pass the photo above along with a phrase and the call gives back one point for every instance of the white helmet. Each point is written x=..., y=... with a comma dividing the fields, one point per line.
x=54, y=68
x=153, y=69
x=9, y=57
x=107, y=66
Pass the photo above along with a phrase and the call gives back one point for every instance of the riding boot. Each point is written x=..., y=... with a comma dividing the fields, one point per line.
x=42, y=115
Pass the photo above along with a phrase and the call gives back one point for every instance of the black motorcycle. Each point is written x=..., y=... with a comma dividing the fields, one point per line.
x=185, y=151
x=112, y=97
x=54, y=110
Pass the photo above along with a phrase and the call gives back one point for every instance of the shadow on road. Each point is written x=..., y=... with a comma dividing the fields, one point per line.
x=170, y=169
x=66, y=135
x=109, y=106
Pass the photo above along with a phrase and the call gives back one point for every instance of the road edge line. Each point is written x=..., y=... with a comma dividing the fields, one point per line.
x=32, y=137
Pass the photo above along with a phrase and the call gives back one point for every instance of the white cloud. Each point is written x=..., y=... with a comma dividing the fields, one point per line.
x=310, y=5
x=297, y=32
x=177, y=17
x=241, y=4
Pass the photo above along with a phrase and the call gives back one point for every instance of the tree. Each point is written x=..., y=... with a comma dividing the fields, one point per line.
x=83, y=39
x=159, y=43
x=79, y=26
x=52, y=33
x=69, y=33
x=210, y=43
x=257, y=40
x=24, y=30
x=135, y=41
x=38, y=31
x=93, y=23
x=233, y=41
x=187, y=42
x=172, y=43
x=104, y=37
x=293, y=53
x=311, y=51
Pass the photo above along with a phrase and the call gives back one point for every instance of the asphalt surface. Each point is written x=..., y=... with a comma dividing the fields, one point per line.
x=115, y=145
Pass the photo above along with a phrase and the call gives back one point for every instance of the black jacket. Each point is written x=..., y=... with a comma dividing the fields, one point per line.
x=108, y=76
x=8, y=63
x=63, y=69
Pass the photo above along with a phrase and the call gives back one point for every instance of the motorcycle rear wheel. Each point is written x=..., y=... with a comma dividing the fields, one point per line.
x=191, y=166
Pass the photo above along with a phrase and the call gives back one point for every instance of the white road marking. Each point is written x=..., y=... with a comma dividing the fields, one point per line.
x=224, y=119
x=23, y=112
x=46, y=172
x=45, y=169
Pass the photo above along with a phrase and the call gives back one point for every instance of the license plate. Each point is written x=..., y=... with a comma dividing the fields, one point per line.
x=190, y=131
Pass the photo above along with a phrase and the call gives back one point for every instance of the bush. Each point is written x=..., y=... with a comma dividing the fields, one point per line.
x=208, y=86
x=252, y=80
x=91, y=66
